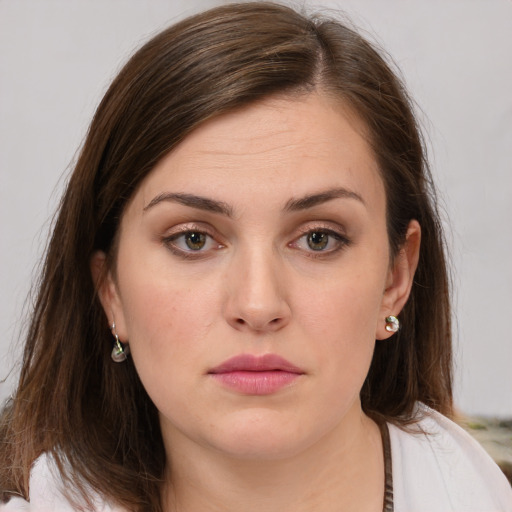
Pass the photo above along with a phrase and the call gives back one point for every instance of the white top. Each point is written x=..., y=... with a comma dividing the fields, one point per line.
x=438, y=468
x=445, y=470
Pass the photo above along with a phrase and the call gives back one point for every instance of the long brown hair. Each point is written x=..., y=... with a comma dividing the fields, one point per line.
x=93, y=415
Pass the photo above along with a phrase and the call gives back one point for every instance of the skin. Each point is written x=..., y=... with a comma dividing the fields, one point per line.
x=257, y=286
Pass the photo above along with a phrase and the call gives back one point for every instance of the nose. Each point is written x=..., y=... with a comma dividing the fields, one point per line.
x=257, y=294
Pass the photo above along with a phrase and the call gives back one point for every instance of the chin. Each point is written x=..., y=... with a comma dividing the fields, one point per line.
x=263, y=438
x=263, y=449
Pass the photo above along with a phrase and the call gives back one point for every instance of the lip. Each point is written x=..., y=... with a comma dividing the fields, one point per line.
x=256, y=375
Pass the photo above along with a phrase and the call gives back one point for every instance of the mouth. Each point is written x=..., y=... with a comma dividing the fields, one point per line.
x=256, y=375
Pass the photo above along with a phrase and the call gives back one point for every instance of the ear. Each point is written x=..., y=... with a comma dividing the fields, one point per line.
x=108, y=293
x=400, y=278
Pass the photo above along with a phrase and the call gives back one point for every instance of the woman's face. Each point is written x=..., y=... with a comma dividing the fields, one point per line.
x=253, y=276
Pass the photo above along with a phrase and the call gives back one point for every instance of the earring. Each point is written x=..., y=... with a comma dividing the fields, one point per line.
x=119, y=352
x=392, y=323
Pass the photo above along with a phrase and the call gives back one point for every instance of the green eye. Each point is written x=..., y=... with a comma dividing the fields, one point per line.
x=317, y=240
x=195, y=241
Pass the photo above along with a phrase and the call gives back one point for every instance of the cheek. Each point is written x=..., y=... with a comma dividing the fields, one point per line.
x=341, y=320
x=167, y=318
x=168, y=330
x=346, y=307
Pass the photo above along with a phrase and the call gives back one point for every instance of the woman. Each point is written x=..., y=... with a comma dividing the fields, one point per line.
x=245, y=302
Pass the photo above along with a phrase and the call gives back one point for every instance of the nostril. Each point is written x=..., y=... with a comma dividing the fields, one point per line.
x=274, y=322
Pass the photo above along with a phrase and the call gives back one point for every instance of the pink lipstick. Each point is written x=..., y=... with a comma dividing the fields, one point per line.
x=256, y=375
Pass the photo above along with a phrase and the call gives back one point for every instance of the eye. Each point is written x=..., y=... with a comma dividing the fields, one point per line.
x=317, y=240
x=195, y=240
x=320, y=241
x=191, y=241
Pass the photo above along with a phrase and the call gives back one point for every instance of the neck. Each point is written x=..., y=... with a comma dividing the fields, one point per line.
x=342, y=471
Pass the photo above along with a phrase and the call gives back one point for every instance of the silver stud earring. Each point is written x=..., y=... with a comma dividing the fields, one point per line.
x=392, y=323
x=119, y=352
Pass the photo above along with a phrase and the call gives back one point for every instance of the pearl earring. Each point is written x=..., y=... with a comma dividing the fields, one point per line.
x=392, y=323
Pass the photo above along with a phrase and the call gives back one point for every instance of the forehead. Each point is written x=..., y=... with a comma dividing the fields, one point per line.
x=277, y=149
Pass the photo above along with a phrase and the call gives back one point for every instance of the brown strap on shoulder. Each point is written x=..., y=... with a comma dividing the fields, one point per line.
x=388, y=469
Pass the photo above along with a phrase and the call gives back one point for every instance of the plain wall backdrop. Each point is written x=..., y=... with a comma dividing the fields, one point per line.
x=58, y=57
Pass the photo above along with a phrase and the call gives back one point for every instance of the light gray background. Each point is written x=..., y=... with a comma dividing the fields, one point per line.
x=57, y=58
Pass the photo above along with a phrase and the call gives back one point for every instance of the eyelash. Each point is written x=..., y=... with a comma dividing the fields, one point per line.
x=341, y=242
x=170, y=242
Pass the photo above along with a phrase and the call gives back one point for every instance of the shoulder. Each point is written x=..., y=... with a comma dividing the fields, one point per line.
x=47, y=492
x=438, y=466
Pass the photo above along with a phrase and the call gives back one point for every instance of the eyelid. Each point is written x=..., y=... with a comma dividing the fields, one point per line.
x=338, y=233
x=195, y=226
x=192, y=227
x=326, y=226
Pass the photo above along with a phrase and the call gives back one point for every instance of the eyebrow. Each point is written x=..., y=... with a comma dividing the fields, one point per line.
x=212, y=205
x=199, y=202
x=311, y=200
